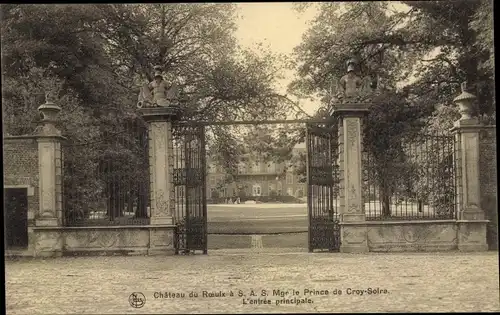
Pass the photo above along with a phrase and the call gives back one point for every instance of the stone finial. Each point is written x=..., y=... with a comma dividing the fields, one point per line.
x=463, y=86
x=49, y=112
x=464, y=101
x=50, y=98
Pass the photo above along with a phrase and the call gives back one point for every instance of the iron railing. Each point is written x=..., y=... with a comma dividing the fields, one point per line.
x=106, y=180
x=414, y=178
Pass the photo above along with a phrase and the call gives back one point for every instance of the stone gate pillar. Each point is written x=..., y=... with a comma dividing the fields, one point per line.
x=471, y=218
x=161, y=176
x=49, y=161
x=47, y=234
x=353, y=229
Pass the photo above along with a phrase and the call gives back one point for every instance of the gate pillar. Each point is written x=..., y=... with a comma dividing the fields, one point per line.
x=49, y=161
x=161, y=176
x=352, y=213
x=471, y=218
x=47, y=238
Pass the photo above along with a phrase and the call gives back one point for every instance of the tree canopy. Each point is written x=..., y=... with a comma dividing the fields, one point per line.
x=427, y=47
x=418, y=52
x=94, y=57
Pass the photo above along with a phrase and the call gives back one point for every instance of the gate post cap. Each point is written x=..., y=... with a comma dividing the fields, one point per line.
x=167, y=113
x=350, y=109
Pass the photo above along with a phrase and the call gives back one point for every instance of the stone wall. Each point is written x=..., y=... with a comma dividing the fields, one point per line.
x=424, y=235
x=488, y=180
x=20, y=164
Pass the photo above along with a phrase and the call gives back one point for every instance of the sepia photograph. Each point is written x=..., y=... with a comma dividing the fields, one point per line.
x=249, y=157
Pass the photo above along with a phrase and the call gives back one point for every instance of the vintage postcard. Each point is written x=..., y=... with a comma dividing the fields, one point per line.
x=281, y=157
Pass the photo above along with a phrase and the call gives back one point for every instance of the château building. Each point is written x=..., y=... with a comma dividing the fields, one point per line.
x=256, y=179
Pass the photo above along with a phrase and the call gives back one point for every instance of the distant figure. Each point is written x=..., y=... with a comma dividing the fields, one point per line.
x=230, y=200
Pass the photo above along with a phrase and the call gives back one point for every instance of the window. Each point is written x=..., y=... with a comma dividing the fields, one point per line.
x=214, y=194
x=256, y=190
x=211, y=168
x=256, y=167
x=223, y=192
x=289, y=191
x=289, y=179
x=271, y=167
x=241, y=168
x=212, y=181
x=300, y=193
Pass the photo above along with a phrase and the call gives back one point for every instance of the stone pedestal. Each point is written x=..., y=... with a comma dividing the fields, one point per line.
x=161, y=177
x=353, y=228
x=472, y=223
x=50, y=168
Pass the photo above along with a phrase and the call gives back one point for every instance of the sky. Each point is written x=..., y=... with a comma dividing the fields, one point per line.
x=277, y=26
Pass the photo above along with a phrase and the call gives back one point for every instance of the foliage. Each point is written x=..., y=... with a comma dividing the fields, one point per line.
x=418, y=53
x=431, y=45
x=99, y=54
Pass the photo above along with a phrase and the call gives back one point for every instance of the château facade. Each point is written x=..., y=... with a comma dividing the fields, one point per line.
x=256, y=179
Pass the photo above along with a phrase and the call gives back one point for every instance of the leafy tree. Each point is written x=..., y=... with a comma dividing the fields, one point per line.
x=418, y=55
x=100, y=54
x=433, y=46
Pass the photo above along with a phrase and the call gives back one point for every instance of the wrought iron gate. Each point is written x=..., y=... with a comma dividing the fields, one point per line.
x=190, y=214
x=322, y=187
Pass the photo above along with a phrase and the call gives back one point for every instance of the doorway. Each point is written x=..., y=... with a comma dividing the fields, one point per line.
x=16, y=218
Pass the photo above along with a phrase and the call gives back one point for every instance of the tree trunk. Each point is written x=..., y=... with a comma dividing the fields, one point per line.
x=142, y=202
x=385, y=199
x=113, y=201
x=130, y=202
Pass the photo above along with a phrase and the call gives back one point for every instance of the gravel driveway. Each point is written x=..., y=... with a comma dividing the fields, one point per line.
x=293, y=282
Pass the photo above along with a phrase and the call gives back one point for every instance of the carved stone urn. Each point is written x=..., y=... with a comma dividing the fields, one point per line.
x=464, y=102
x=49, y=112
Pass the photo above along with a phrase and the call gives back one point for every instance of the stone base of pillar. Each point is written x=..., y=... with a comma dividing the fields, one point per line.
x=354, y=249
x=161, y=251
x=472, y=235
x=49, y=254
x=472, y=214
x=353, y=238
x=156, y=220
x=346, y=217
x=46, y=222
x=48, y=242
x=161, y=240
x=472, y=247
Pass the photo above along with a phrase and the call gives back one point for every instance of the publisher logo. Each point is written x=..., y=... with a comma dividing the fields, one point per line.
x=137, y=300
